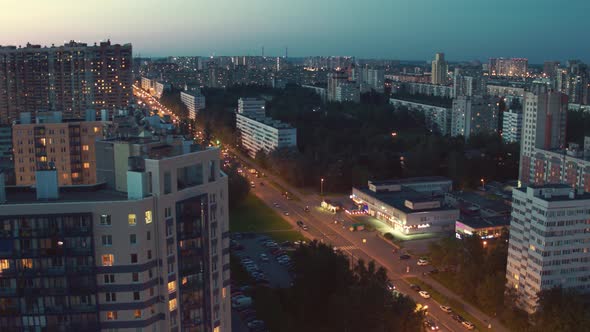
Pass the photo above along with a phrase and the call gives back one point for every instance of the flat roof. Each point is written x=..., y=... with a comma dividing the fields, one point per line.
x=483, y=202
x=397, y=199
x=420, y=179
x=87, y=194
x=485, y=222
x=556, y=197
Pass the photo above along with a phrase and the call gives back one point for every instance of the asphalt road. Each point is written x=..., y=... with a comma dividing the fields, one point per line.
x=359, y=245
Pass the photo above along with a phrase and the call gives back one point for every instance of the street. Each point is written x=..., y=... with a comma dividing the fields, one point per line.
x=358, y=245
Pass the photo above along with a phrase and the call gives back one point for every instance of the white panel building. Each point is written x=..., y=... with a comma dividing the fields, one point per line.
x=194, y=102
x=511, y=126
x=548, y=244
x=263, y=133
x=252, y=106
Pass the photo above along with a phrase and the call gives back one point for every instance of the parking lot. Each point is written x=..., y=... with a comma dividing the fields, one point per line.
x=267, y=264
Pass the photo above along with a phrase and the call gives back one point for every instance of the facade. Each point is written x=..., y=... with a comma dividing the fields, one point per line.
x=263, y=133
x=483, y=227
x=474, y=115
x=511, y=126
x=508, y=67
x=544, y=123
x=439, y=69
x=548, y=244
x=194, y=102
x=335, y=79
x=347, y=92
x=429, y=89
x=319, y=90
x=69, y=78
x=152, y=258
x=551, y=68
x=468, y=82
x=438, y=119
x=68, y=146
x=252, y=106
x=409, y=206
x=506, y=91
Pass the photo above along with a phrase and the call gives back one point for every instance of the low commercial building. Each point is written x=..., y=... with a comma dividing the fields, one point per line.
x=263, y=133
x=409, y=206
x=483, y=227
x=548, y=244
x=470, y=203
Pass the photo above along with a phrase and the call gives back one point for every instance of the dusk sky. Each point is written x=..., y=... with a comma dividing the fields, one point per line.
x=398, y=29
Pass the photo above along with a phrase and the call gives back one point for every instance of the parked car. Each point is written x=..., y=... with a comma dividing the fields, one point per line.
x=264, y=257
x=404, y=257
x=446, y=309
x=306, y=208
x=300, y=223
x=422, y=262
x=468, y=325
x=458, y=318
x=415, y=287
x=255, y=324
x=424, y=294
x=286, y=213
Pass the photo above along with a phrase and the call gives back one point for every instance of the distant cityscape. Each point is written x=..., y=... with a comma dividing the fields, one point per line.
x=116, y=182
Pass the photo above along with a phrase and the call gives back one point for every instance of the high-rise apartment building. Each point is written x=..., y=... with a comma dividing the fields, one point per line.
x=511, y=126
x=335, y=79
x=551, y=68
x=439, y=69
x=252, y=106
x=66, y=146
x=147, y=249
x=508, y=67
x=548, y=244
x=347, y=92
x=544, y=123
x=473, y=115
x=69, y=78
x=194, y=102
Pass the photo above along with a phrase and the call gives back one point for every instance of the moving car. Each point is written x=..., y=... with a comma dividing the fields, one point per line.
x=430, y=325
x=424, y=294
x=446, y=309
x=404, y=257
x=458, y=318
x=422, y=262
x=306, y=208
x=286, y=213
x=415, y=287
x=390, y=285
x=468, y=325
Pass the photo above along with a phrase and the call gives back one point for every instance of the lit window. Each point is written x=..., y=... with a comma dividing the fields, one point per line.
x=75, y=175
x=148, y=216
x=172, y=305
x=96, y=130
x=4, y=265
x=223, y=292
x=171, y=286
x=85, y=148
x=132, y=219
x=111, y=315
x=137, y=314
x=108, y=260
x=43, y=158
x=86, y=165
x=27, y=263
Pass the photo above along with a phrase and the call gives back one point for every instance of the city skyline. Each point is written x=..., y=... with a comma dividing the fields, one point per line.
x=405, y=31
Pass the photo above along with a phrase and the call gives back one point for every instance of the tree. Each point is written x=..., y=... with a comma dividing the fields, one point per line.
x=561, y=310
x=261, y=158
x=238, y=187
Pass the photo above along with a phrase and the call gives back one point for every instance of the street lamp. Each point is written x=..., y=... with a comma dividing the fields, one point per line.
x=322, y=186
x=483, y=184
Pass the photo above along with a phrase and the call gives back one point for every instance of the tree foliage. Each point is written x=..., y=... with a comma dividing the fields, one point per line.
x=328, y=296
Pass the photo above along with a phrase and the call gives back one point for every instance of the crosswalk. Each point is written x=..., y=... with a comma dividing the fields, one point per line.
x=346, y=248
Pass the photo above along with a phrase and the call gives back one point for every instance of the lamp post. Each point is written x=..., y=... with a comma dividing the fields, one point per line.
x=322, y=186
x=483, y=184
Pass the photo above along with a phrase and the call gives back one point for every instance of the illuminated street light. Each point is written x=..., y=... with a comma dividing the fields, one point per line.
x=322, y=186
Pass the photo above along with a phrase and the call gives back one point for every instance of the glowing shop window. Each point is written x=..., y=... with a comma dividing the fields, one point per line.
x=132, y=219
x=148, y=216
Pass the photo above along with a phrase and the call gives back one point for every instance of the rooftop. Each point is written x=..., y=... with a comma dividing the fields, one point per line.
x=87, y=194
x=485, y=222
x=397, y=199
x=421, y=179
x=267, y=121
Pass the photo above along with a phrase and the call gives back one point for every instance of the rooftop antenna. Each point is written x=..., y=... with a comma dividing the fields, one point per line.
x=286, y=52
x=263, y=51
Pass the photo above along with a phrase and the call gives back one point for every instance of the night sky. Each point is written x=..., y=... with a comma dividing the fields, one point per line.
x=399, y=29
